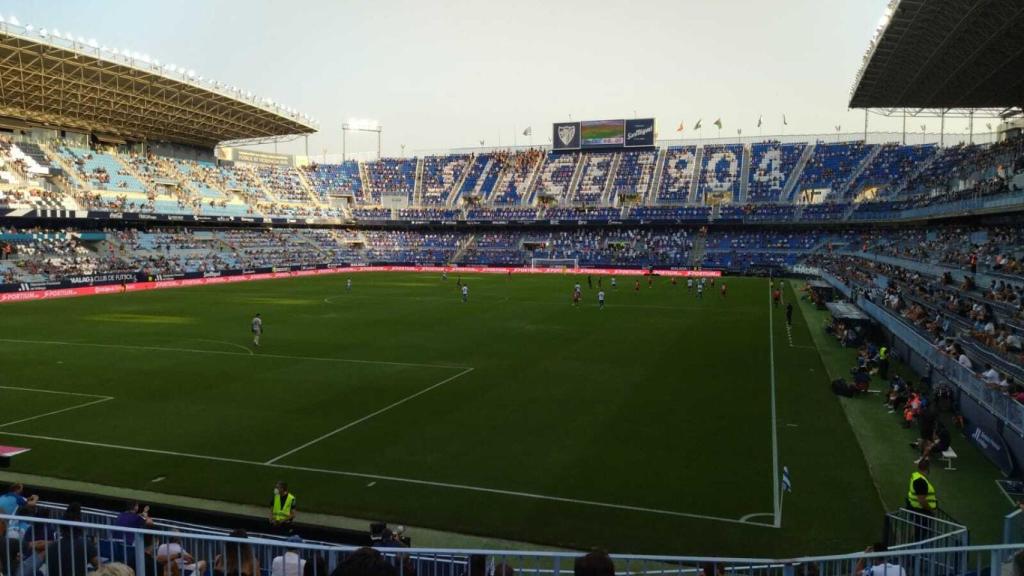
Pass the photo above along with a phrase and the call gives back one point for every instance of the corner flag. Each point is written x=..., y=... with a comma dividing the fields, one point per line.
x=787, y=484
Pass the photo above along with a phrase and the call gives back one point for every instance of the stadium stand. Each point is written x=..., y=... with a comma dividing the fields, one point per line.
x=680, y=164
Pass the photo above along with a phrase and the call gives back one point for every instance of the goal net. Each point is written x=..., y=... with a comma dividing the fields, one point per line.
x=563, y=263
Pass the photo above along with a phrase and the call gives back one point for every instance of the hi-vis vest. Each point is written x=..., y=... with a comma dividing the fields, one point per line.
x=933, y=502
x=283, y=512
x=883, y=353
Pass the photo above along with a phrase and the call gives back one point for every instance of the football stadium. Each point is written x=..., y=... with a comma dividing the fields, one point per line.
x=624, y=342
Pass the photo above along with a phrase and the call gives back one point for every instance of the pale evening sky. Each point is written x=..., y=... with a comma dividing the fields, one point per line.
x=447, y=74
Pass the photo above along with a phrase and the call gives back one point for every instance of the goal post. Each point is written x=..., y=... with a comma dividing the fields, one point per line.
x=565, y=264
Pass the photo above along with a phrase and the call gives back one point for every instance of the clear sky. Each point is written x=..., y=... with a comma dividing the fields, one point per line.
x=448, y=73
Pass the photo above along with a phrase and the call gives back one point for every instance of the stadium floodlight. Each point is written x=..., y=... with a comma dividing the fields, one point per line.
x=191, y=73
x=29, y=28
x=360, y=125
x=2, y=21
x=43, y=33
x=13, y=20
x=93, y=43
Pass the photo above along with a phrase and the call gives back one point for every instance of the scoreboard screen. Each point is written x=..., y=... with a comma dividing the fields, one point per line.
x=592, y=134
x=602, y=133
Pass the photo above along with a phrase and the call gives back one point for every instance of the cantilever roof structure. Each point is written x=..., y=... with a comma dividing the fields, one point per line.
x=945, y=54
x=78, y=85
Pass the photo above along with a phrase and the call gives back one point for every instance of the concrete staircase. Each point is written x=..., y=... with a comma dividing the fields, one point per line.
x=417, y=187
x=530, y=198
x=309, y=188
x=864, y=163
x=698, y=158
x=457, y=189
x=491, y=165
x=609, y=185
x=651, y=196
x=574, y=182
x=364, y=175
x=463, y=247
x=700, y=248
x=794, y=177
x=745, y=173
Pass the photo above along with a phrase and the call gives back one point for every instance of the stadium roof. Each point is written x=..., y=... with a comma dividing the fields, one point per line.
x=76, y=84
x=945, y=54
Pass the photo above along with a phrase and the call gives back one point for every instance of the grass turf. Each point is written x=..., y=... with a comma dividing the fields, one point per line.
x=643, y=427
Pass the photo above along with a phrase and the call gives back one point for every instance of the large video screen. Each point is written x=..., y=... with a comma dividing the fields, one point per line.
x=602, y=133
x=635, y=133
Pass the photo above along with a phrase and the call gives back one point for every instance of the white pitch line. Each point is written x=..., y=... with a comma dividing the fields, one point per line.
x=226, y=353
x=239, y=346
x=55, y=412
x=746, y=519
x=379, y=477
x=776, y=507
x=54, y=392
x=555, y=302
x=368, y=416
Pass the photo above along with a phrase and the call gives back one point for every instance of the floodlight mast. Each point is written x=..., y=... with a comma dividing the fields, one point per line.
x=360, y=125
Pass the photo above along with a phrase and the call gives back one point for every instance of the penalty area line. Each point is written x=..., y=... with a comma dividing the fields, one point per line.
x=395, y=404
x=55, y=412
x=413, y=481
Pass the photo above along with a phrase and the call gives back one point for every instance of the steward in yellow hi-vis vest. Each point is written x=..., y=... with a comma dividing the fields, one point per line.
x=282, y=511
x=921, y=494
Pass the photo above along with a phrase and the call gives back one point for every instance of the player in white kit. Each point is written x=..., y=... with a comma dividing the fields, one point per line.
x=257, y=329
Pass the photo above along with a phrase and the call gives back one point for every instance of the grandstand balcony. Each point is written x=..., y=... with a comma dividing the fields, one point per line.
x=677, y=176
x=395, y=176
x=892, y=165
x=556, y=175
x=595, y=171
x=720, y=172
x=771, y=166
x=100, y=171
x=635, y=174
x=830, y=167
x=441, y=176
x=336, y=181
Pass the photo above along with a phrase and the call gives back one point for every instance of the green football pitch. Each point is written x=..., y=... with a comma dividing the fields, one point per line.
x=660, y=424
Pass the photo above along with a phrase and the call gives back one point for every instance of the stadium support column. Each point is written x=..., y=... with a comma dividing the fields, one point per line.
x=942, y=128
x=970, y=126
x=904, y=126
x=865, y=125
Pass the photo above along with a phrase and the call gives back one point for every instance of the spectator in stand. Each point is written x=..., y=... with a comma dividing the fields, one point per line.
x=239, y=558
x=290, y=563
x=14, y=499
x=10, y=557
x=176, y=560
x=73, y=551
x=133, y=517
x=596, y=563
x=880, y=566
x=365, y=562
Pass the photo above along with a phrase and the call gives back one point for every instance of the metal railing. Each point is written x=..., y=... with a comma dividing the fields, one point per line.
x=71, y=548
x=1001, y=406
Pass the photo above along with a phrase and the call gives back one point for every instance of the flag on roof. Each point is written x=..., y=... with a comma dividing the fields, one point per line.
x=718, y=123
x=697, y=126
x=759, y=120
x=784, y=122
x=680, y=128
x=528, y=131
